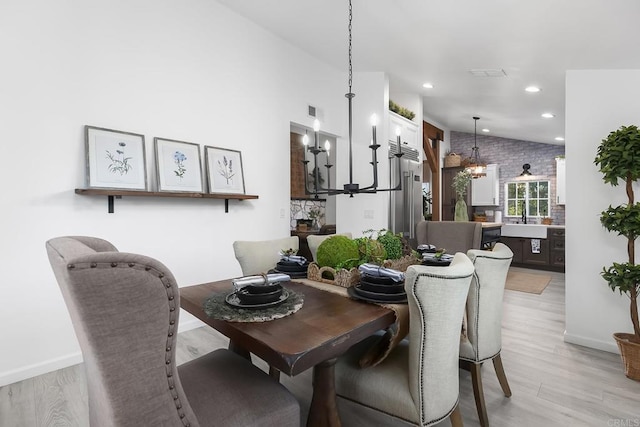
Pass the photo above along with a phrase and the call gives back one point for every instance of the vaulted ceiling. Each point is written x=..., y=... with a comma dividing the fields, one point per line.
x=524, y=42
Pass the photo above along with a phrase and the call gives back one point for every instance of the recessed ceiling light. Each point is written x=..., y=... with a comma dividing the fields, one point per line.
x=427, y=86
x=559, y=138
x=548, y=115
x=485, y=130
x=532, y=89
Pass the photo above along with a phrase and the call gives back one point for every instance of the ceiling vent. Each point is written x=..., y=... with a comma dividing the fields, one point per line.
x=488, y=72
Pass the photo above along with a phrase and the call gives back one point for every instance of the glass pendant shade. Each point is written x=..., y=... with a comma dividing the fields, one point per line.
x=475, y=166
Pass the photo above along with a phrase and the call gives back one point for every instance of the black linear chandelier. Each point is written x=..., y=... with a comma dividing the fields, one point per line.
x=350, y=188
x=476, y=167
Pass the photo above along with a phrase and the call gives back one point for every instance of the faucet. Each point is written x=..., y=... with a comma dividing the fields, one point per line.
x=524, y=213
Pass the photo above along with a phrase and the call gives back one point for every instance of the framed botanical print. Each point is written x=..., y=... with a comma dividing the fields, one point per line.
x=178, y=165
x=224, y=170
x=115, y=159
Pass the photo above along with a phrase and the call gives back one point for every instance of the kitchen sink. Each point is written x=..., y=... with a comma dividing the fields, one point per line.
x=532, y=231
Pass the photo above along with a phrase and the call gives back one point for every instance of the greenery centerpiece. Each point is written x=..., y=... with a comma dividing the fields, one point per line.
x=618, y=157
x=338, y=257
x=460, y=183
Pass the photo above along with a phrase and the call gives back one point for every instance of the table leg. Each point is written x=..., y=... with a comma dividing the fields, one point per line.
x=239, y=350
x=323, y=411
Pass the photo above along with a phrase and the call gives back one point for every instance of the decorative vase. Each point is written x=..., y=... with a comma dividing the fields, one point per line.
x=316, y=224
x=630, y=352
x=461, y=213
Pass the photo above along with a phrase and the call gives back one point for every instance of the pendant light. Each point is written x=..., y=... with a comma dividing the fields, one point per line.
x=476, y=167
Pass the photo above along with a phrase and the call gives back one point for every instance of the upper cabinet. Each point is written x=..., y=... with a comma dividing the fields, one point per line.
x=485, y=191
x=561, y=181
x=408, y=130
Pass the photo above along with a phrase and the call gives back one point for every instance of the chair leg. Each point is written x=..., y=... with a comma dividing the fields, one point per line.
x=456, y=417
x=502, y=378
x=476, y=380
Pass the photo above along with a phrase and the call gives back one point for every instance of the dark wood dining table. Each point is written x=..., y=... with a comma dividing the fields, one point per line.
x=313, y=337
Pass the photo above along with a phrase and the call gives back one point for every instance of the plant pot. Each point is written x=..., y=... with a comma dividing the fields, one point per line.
x=630, y=352
x=461, y=213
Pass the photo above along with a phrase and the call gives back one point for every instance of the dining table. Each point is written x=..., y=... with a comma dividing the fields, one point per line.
x=326, y=326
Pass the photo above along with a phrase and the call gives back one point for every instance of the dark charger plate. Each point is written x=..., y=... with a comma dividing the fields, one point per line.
x=247, y=297
x=233, y=300
x=356, y=293
x=379, y=280
x=396, y=288
x=291, y=267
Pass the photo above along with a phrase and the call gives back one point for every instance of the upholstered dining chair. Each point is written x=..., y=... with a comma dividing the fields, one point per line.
x=256, y=257
x=454, y=236
x=124, y=308
x=418, y=381
x=314, y=241
x=484, y=320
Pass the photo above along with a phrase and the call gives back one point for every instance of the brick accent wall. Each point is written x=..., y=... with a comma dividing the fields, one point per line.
x=510, y=155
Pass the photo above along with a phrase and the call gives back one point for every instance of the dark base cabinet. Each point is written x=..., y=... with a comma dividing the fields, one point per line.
x=556, y=247
x=524, y=256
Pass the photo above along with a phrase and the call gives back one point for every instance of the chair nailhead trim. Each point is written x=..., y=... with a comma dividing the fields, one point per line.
x=114, y=264
x=131, y=264
x=94, y=265
x=70, y=266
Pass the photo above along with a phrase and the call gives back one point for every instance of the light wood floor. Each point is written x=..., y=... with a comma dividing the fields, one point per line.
x=553, y=383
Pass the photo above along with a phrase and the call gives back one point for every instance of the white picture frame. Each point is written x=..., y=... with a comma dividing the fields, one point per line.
x=115, y=159
x=178, y=166
x=224, y=170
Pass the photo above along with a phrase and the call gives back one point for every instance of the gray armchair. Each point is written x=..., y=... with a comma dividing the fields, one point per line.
x=124, y=308
x=484, y=320
x=454, y=236
x=418, y=381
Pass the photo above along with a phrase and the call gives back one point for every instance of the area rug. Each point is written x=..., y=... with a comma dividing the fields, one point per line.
x=526, y=282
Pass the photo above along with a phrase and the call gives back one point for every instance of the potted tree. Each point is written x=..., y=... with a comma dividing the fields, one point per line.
x=618, y=158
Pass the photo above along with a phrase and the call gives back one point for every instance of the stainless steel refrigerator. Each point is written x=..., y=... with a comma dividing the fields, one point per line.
x=405, y=209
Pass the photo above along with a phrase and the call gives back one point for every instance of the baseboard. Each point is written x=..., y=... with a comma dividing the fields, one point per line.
x=36, y=369
x=46, y=366
x=611, y=347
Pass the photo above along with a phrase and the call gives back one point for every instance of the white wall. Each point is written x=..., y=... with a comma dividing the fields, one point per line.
x=365, y=211
x=598, y=102
x=197, y=73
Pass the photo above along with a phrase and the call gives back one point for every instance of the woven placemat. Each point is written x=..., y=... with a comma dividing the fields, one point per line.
x=216, y=308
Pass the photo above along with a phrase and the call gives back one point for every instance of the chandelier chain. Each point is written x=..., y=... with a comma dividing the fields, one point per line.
x=350, y=66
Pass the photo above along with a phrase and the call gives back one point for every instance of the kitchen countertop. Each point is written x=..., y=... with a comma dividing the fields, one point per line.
x=491, y=224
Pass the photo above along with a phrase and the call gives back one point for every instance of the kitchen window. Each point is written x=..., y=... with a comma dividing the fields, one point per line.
x=531, y=195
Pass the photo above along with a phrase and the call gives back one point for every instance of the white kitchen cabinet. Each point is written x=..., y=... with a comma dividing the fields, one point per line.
x=408, y=130
x=561, y=181
x=485, y=191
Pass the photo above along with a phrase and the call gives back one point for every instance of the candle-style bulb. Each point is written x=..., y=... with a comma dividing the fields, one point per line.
x=398, y=131
x=374, y=120
x=327, y=146
x=305, y=140
x=316, y=125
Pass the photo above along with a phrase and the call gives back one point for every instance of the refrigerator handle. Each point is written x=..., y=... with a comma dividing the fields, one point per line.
x=411, y=186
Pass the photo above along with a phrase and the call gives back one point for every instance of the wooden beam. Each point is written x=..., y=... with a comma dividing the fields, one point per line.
x=431, y=136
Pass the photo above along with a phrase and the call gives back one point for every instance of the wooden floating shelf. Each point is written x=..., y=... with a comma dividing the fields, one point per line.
x=118, y=194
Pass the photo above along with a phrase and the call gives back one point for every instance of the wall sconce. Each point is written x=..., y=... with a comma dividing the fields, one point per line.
x=525, y=170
